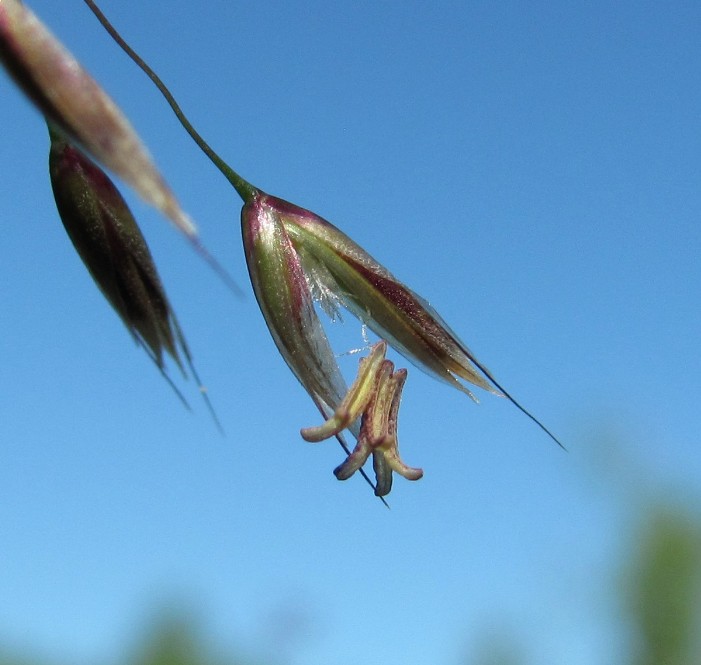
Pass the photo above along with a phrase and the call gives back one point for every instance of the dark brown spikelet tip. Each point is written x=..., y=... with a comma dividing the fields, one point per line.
x=113, y=249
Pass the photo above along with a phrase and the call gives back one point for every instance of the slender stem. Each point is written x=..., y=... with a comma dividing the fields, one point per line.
x=244, y=188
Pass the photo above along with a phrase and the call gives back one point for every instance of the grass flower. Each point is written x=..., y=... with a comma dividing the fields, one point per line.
x=297, y=259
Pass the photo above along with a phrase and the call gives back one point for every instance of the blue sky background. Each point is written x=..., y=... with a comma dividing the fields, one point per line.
x=533, y=169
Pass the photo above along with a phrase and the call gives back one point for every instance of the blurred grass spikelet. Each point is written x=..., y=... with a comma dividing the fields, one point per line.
x=73, y=101
x=113, y=249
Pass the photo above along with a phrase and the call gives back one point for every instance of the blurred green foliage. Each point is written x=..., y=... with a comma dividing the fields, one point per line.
x=498, y=652
x=660, y=597
x=663, y=590
x=175, y=642
x=172, y=640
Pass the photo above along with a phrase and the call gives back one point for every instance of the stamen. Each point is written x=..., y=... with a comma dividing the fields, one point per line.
x=374, y=397
x=356, y=400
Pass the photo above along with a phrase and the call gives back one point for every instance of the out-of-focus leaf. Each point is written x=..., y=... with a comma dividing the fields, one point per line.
x=664, y=591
